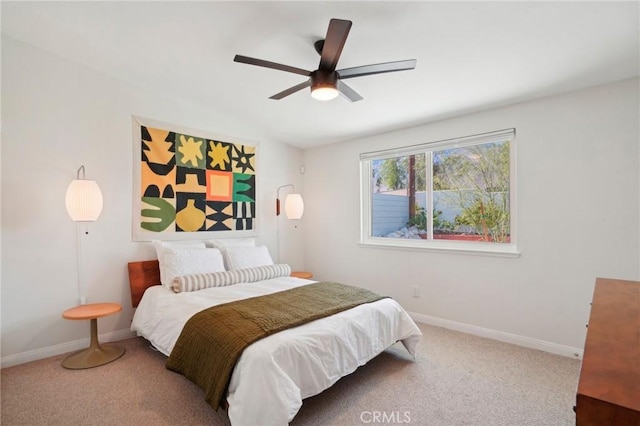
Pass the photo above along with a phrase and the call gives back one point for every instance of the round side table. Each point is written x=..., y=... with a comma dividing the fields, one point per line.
x=302, y=274
x=95, y=354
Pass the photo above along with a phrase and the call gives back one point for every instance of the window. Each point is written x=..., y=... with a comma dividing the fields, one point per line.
x=449, y=195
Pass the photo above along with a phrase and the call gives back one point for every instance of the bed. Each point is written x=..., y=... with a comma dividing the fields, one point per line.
x=274, y=374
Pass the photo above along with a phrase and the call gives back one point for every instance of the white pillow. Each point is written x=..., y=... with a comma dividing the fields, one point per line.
x=161, y=246
x=231, y=242
x=246, y=257
x=179, y=262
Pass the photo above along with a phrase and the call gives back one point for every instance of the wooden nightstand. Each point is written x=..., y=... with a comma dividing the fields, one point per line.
x=95, y=354
x=302, y=274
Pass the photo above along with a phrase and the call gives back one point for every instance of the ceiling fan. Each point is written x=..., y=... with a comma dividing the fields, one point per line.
x=326, y=82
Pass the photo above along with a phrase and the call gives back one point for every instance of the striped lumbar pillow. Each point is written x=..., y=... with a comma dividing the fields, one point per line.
x=220, y=279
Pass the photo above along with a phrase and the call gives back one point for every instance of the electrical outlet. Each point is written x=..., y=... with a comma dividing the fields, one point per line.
x=416, y=291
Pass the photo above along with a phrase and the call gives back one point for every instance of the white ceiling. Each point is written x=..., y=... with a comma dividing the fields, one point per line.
x=470, y=55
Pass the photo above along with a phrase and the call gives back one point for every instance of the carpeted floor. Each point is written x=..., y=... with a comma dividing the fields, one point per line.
x=456, y=379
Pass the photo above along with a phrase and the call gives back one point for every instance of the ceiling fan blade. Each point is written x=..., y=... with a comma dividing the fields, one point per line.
x=333, y=43
x=291, y=90
x=363, y=70
x=273, y=65
x=348, y=92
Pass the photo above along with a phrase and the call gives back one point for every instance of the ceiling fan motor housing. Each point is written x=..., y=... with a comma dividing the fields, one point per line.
x=324, y=79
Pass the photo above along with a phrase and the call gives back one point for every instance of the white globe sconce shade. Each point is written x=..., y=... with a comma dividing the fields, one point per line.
x=294, y=206
x=84, y=200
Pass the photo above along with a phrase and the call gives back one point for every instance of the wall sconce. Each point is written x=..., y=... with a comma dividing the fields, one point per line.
x=293, y=209
x=293, y=204
x=83, y=199
x=84, y=204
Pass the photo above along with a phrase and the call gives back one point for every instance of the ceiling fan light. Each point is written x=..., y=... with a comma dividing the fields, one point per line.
x=324, y=92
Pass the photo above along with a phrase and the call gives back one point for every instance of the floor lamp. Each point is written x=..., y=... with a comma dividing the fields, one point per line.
x=84, y=204
x=293, y=209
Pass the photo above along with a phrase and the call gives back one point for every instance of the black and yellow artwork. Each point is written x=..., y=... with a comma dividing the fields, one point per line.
x=195, y=184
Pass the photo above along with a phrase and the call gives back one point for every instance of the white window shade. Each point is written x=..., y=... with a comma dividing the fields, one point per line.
x=507, y=134
x=84, y=200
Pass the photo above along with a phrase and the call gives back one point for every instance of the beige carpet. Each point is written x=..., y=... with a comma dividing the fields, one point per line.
x=457, y=379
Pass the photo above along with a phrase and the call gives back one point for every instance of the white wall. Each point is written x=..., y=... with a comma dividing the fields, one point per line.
x=577, y=153
x=56, y=116
x=578, y=208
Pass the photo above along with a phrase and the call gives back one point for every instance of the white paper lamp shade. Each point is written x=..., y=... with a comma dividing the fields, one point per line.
x=84, y=200
x=293, y=206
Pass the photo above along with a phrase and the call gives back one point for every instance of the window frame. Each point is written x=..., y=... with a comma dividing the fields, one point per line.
x=509, y=249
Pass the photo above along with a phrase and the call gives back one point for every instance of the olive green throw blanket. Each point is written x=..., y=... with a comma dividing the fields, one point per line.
x=212, y=340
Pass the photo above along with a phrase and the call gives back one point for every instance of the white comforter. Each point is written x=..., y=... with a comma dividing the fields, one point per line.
x=276, y=373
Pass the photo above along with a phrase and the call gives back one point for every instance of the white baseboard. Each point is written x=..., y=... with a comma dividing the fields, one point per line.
x=76, y=345
x=501, y=336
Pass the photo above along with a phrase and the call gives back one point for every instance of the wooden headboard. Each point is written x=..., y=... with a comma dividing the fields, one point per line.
x=142, y=275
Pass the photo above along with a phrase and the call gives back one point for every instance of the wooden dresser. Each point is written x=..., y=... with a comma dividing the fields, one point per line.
x=609, y=386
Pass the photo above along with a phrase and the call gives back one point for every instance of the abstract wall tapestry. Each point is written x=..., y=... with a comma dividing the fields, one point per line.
x=189, y=182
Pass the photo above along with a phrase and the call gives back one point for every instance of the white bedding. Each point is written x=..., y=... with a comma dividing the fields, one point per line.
x=276, y=373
